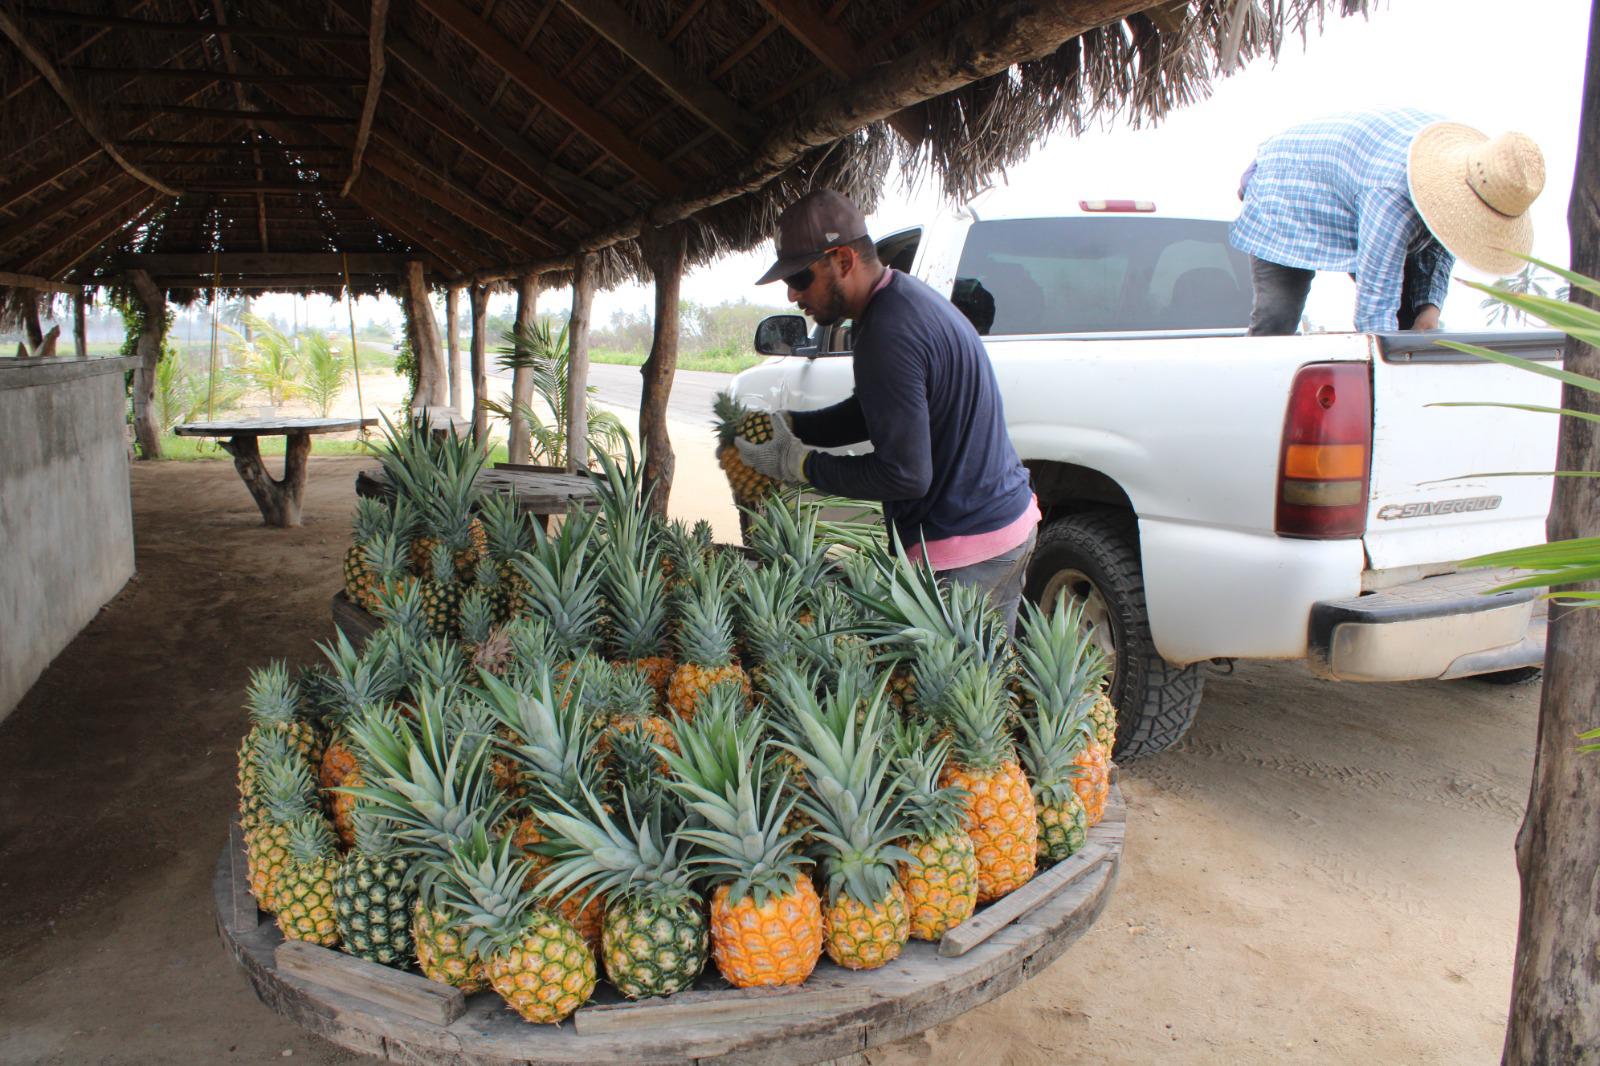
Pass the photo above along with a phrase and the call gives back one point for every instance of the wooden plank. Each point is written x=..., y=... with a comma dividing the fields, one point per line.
x=9, y=280
x=986, y=923
x=431, y=1001
x=720, y=1007
x=193, y=28
x=69, y=96
x=243, y=914
x=270, y=427
x=369, y=104
x=258, y=263
x=549, y=90
x=356, y=623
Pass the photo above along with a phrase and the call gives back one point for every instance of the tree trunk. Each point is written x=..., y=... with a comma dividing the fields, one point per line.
x=478, y=295
x=80, y=325
x=47, y=347
x=30, y=322
x=664, y=251
x=432, y=384
x=148, y=347
x=578, y=364
x=452, y=319
x=1555, y=988
x=519, y=447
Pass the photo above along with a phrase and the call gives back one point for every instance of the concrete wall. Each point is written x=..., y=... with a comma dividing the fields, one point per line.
x=66, y=517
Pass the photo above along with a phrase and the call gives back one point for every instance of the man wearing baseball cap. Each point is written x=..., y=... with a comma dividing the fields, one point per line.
x=952, y=487
x=1392, y=197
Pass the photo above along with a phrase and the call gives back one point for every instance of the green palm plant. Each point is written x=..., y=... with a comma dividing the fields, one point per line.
x=269, y=361
x=1529, y=281
x=545, y=352
x=326, y=372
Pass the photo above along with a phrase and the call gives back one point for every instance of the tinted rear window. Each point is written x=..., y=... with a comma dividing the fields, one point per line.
x=1101, y=275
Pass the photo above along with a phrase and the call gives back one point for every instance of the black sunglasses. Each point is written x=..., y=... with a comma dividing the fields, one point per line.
x=801, y=280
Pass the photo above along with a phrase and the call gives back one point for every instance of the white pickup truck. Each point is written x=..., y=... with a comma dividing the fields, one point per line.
x=1213, y=496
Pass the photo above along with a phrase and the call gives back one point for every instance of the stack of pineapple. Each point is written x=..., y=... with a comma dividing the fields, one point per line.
x=633, y=751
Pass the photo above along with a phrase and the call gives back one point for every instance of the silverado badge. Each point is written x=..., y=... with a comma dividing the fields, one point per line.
x=1389, y=512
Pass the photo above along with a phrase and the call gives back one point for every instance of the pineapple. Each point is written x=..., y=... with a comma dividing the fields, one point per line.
x=372, y=517
x=288, y=796
x=536, y=961
x=272, y=700
x=372, y=903
x=1061, y=678
x=637, y=599
x=852, y=799
x=437, y=791
x=705, y=640
x=941, y=878
x=441, y=591
x=627, y=705
x=484, y=641
x=564, y=585
x=360, y=679
x=509, y=535
x=766, y=919
x=304, y=888
x=440, y=478
x=786, y=535
x=769, y=608
x=1103, y=715
x=732, y=419
x=653, y=940
x=387, y=558
x=1000, y=814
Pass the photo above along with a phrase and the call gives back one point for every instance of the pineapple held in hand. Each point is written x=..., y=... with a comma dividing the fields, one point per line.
x=734, y=420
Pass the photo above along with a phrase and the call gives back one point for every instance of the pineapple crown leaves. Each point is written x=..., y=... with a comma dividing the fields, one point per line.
x=785, y=535
x=532, y=643
x=364, y=677
x=931, y=810
x=477, y=610
x=854, y=798
x=626, y=692
x=742, y=843
x=442, y=563
x=705, y=619
x=402, y=605
x=550, y=734
x=311, y=840
x=437, y=664
x=620, y=487
x=387, y=557
x=482, y=881
x=633, y=773
x=1052, y=738
x=374, y=833
x=271, y=695
x=286, y=784
x=633, y=858
x=906, y=603
x=564, y=583
x=371, y=517
x=432, y=787
x=636, y=597
x=716, y=748
x=1062, y=668
x=507, y=529
x=978, y=714
x=727, y=412
x=769, y=609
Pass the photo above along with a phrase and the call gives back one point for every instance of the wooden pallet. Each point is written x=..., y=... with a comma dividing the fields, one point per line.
x=837, y=1014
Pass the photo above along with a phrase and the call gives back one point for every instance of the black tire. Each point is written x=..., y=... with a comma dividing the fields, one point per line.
x=1515, y=676
x=1156, y=701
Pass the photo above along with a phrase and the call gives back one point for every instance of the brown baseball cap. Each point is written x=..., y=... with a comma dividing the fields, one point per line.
x=819, y=220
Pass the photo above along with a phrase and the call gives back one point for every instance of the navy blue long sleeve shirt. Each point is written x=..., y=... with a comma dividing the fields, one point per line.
x=926, y=397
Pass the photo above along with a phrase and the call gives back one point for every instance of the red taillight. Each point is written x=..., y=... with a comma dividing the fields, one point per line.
x=1327, y=453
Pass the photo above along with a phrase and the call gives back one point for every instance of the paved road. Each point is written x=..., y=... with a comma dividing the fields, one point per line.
x=692, y=390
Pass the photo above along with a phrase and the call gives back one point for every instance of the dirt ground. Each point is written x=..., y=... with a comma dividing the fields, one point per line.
x=1320, y=872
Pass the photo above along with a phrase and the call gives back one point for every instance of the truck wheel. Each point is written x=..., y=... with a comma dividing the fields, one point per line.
x=1092, y=558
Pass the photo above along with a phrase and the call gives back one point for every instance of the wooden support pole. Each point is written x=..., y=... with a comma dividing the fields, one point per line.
x=30, y=324
x=478, y=296
x=80, y=323
x=578, y=364
x=375, y=69
x=664, y=253
x=452, y=320
x=519, y=448
x=145, y=431
x=432, y=386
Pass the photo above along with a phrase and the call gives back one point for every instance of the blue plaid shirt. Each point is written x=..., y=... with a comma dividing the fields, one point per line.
x=1332, y=195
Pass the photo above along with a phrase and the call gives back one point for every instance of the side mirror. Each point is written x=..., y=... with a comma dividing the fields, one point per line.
x=781, y=334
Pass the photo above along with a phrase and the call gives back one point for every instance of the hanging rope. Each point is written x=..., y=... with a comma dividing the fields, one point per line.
x=350, y=306
x=211, y=379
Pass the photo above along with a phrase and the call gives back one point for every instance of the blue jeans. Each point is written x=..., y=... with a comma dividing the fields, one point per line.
x=1001, y=577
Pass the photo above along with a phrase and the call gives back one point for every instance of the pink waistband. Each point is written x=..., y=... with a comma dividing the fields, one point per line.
x=952, y=553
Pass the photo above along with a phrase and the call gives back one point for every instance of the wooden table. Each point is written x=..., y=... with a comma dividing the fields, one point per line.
x=539, y=491
x=279, y=500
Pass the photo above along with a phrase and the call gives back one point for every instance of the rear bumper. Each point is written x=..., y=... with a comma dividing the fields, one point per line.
x=1439, y=627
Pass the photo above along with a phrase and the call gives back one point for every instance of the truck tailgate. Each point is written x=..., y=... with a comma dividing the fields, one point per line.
x=1429, y=501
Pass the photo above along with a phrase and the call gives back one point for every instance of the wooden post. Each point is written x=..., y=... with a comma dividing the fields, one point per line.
x=30, y=322
x=663, y=251
x=432, y=386
x=80, y=323
x=478, y=295
x=578, y=364
x=1555, y=986
x=519, y=447
x=145, y=431
x=452, y=318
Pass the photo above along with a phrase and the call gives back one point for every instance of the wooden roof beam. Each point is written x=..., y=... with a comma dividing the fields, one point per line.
x=161, y=264
x=399, y=219
x=89, y=232
x=552, y=93
x=145, y=147
x=71, y=54
x=979, y=46
x=69, y=96
x=29, y=281
x=232, y=62
x=238, y=113
x=191, y=29
x=332, y=81
x=43, y=212
x=369, y=104
x=694, y=92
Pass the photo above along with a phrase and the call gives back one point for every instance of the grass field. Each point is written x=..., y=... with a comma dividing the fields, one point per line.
x=713, y=363
x=193, y=449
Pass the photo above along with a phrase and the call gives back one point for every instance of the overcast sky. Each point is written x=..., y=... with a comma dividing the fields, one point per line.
x=1490, y=64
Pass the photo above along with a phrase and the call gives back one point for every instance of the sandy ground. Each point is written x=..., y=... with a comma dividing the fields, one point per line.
x=1319, y=873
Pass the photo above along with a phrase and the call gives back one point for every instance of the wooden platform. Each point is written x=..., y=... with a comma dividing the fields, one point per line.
x=538, y=491
x=836, y=1015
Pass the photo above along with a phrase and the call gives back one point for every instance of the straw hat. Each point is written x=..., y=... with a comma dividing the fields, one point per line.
x=1474, y=193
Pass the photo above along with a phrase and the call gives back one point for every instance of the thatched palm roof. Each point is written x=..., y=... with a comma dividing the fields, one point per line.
x=499, y=137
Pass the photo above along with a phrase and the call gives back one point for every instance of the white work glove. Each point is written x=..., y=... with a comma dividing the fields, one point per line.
x=782, y=458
